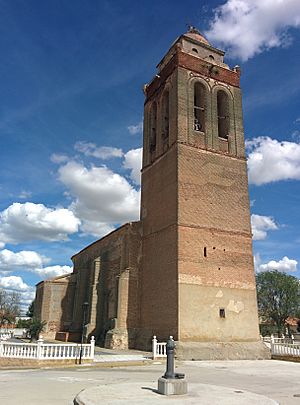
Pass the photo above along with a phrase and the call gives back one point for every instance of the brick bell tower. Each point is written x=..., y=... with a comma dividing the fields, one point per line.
x=197, y=277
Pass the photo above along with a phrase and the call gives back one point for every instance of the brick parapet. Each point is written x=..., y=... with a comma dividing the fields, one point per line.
x=194, y=64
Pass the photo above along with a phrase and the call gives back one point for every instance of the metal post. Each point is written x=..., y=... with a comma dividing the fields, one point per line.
x=84, y=308
x=170, y=358
x=170, y=372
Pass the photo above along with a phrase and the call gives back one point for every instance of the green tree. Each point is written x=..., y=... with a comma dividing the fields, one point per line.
x=23, y=323
x=30, y=310
x=278, y=296
x=35, y=327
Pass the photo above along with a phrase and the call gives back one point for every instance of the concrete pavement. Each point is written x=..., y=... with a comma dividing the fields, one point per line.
x=273, y=379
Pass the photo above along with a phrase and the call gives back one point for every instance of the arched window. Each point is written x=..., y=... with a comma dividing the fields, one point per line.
x=223, y=114
x=165, y=118
x=153, y=124
x=199, y=107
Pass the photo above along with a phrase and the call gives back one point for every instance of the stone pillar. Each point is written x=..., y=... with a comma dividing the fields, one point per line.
x=123, y=289
x=93, y=296
x=117, y=338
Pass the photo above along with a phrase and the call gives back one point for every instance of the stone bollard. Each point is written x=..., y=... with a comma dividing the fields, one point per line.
x=171, y=383
x=92, y=348
x=39, y=353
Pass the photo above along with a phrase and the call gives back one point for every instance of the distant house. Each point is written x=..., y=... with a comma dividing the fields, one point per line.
x=293, y=324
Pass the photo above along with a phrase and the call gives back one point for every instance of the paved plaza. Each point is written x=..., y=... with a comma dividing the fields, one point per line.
x=273, y=379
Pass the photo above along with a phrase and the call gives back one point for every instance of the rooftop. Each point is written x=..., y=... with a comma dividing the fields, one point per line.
x=196, y=35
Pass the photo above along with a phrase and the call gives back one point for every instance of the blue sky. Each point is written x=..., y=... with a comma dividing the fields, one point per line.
x=70, y=121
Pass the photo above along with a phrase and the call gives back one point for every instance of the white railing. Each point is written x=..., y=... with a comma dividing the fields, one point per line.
x=285, y=349
x=269, y=340
x=158, y=349
x=48, y=351
x=14, y=332
x=5, y=336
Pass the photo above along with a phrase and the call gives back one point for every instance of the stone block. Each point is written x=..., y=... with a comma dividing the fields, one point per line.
x=172, y=386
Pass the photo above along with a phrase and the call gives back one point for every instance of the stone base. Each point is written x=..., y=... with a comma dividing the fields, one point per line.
x=222, y=351
x=116, y=339
x=172, y=386
x=134, y=394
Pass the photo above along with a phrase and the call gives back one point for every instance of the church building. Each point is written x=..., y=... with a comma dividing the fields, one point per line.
x=186, y=268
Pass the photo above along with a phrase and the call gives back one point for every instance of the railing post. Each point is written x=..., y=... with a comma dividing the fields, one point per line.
x=272, y=344
x=1, y=348
x=40, y=342
x=154, y=347
x=92, y=347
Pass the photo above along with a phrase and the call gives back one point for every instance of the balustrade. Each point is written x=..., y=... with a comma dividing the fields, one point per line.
x=47, y=351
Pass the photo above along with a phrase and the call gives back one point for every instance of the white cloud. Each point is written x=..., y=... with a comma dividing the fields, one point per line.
x=270, y=160
x=297, y=119
x=53, y=271
x=133, y=161
x=296, y=133
x=59, y=158
x=135, y=129
x=14, y=283
x=26, y=299
x=285, y=265
x=100, y=152
x=25, y=259
x=95, y=228
x=25, y=194
x=260, y=225
x=249, y=27
x=256, y=262
x=29, y=221
x=101, y=196
x=29, y=261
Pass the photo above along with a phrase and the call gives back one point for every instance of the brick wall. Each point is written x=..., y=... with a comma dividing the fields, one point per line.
x=110, y=305
x=54, y=304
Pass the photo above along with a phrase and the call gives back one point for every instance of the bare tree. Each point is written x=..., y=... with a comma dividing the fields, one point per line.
x=9, y=306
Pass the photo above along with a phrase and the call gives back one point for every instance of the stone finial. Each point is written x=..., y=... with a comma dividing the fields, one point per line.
x=193, y=29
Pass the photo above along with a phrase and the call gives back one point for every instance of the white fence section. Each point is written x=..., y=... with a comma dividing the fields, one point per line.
x=14, y=332
x=283, y=339
x=48, y=351
x=158, y=349
x=5, y=336
x=285, y=349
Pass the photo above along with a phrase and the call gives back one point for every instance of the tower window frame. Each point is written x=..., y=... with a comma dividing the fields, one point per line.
x=199, y=110
x=223, y=114
x=165, y=117
x=153, y=128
